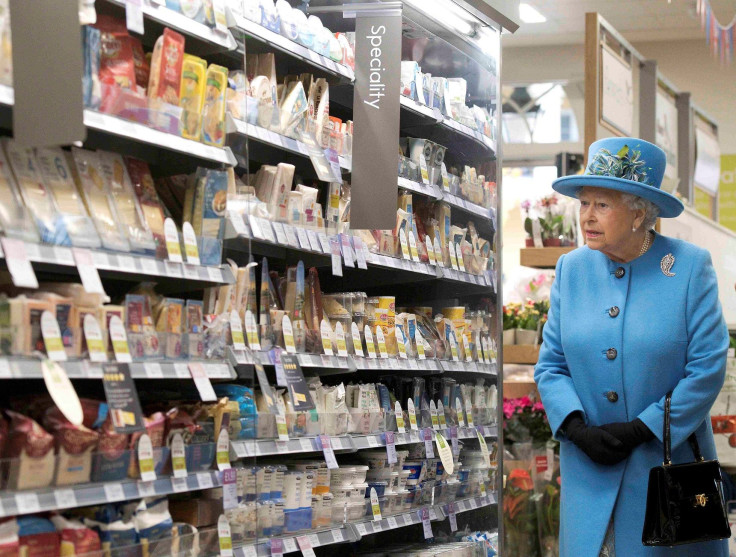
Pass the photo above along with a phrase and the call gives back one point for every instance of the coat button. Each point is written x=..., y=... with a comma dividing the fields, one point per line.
x=611, y=353
x=612, y=396
x=620, y=272
x=614, y=311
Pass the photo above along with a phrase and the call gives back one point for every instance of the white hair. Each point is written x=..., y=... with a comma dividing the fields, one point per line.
x=635, y=203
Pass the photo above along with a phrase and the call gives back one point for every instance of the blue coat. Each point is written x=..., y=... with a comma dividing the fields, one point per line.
x=668, y=334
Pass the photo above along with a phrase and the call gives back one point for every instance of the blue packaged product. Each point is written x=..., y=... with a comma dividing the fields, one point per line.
x=90, y=76
x=115, y=532
x=384, y=396
x=244, y=425
x=153, y=521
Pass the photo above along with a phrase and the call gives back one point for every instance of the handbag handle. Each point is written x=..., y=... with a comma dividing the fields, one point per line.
x=692, y=440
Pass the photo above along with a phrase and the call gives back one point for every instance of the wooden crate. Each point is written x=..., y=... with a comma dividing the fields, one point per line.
x=520, y=354
x=518, y=389
x=542, y=258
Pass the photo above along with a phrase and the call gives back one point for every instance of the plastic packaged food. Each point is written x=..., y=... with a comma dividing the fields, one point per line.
x=166, y=65
x=149, y=202
x=213, y=110
x=117, y=66
x=192, y=91
x=99, y=204
x=91, y=73
x=15, y=220
x=31, y=452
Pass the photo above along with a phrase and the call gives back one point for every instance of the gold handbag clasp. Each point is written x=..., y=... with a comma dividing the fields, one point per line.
x=700, y=500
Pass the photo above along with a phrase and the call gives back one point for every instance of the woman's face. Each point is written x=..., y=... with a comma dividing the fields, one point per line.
x=607, y=222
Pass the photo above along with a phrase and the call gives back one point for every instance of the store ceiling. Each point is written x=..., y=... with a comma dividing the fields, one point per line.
x=637, y=20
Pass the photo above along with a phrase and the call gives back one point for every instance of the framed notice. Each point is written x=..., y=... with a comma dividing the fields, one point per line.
x=707, y=158
x=616, y=92
x=665, y=133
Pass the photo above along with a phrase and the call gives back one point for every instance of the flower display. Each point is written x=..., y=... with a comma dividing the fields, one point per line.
x=555, y=219
x=525, y=421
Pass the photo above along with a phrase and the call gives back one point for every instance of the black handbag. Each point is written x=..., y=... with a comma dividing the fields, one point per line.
x=684, y=501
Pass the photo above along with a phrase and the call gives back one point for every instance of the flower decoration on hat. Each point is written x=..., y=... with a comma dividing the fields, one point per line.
x=626, y=164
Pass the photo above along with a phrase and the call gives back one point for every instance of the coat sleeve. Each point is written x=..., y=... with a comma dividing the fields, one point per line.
x=705, y=369
x=551, y=372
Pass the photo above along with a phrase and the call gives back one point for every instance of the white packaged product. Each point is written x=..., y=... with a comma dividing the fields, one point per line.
x=288, y=21
x=306, y=34
x=409, y=70
x=15, y=219
x=98, y=201
x=458, y=88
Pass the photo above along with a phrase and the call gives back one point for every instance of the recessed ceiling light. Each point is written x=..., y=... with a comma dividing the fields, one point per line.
x=528, y=14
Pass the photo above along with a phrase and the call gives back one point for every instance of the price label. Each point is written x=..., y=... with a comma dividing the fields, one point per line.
x=459, y=410
x=224, y=537
x=65, y=498
x=484, y=448
x=443, y=448
x=52, y=337
x=113, y=492
x=236, y=331
x=483, y=492
x=326, y=333
x=119, y=340
x=412, y=414
x=428, y=433
x=453, y=347
x=445, y=178
x=452, y=516
x=433, y=415
x=453, y=256
x=305, y=545
x=134, y=17
x=357, y=342
x=324, y=243
x=460, y=258
x=146, y=489
x=413, y=247
x=390, y=447
x=361, y=529
x=288, y=331
x=404, y=245
x=420, y=345
x=337, y=535
x=190, y=244
x=251, y=331
x=336, y=259
x=400, y=342
x=438, y=252
x=392, y=524
x=291, y=236
x=178, y=456
x=27, y=503
x=369, y=344
x=145, y=458
x=306, y=445
x=469, y=413
x=453, y=440
x=277, y=547
x=328, y=452
x=430, y=251
x=375, y=507
x=173, y=247
x=204, y=480
x=88, y=271
x=424, y=517
x=347, y=250
x=281, y=428
x=400, y=427
x=229, y=489
x=314, y=241
x=179, y=485
x=342, y=347
x=381, y=342
x=281, y=237
x=223, y=450
x=359, y=249
x=441, y=414
x=301, y=233
x=202, y=382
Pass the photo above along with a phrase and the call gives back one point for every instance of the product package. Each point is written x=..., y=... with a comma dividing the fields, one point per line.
x=15, y=219
x=213, y=110
x=166, y=65
x=192, y=91
x=148, y=199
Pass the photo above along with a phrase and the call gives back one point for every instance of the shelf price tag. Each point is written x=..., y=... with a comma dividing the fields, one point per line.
x=281, y=428
x=420, y=345
x=229, y=489
x=433, y=414
x=400, y=427
x=369, y=344
x=453, y=256
x=305, y=546
x=375, y=507
x=173, y=247
x=424, y=517
x=145, y=458
x=443, y=448
x=288, y=335
x=453, y=348
x=134, y=16
x=359, y=249
x=452, y=516
x=223, y=450
x=453, y=440
x=404, y=245
x=342, y=347
x=459, y=410
x=251, y=331
x=218, y=7
x=441, y=414
x=357, y=342
x=413, y=247
x=202, y=382
x=326, y=333
x=93, y=337
x=445, y=178
x=301, y=233
x=336, y=259
x=52, y=337
x=412, y=414
x=190, y=244
x=88, y=271
x=484, y=448
x=347, y=250
x=430, y=251
x=119, y=340
x=236, y=331
x=277, y=547
x=178, y=456
x=438, y=252
x=224, y=537
x=427, y=434
x=483, y=492
x=400, y=342
x=390, y=447
x=65, y=498
x=460, y=259
x=328, y=452
x=381, y=342
x=469, y=413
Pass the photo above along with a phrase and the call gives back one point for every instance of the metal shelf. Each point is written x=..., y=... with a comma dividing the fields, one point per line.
x=51, y=499
x=318, y=538
x=30, y=368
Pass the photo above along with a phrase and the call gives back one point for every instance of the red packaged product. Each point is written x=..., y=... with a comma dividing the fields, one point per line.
x=156, y=430
x=31, y=450
x=9, y=543
x=116, y=53
x=166, y=62
x=74, y=447
x=76, y=539
x=140, y=63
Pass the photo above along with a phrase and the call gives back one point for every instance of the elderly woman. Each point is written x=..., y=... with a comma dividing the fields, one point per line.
x=633, y=315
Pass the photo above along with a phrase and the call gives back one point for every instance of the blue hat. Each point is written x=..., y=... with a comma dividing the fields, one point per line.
x=625, y=164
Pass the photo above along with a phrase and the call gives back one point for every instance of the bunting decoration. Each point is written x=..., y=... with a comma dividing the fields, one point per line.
x=719, y=37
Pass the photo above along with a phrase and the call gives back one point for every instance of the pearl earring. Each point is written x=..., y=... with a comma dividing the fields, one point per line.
x=633, y=228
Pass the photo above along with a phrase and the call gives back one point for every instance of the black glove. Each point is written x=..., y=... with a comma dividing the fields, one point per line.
x=599, y=445
x=631, y=434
